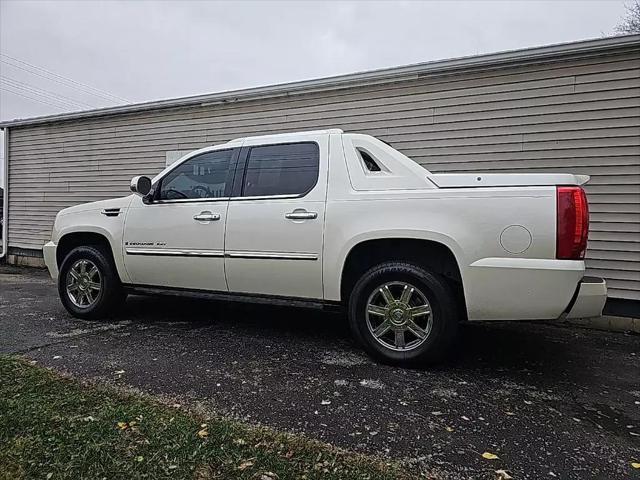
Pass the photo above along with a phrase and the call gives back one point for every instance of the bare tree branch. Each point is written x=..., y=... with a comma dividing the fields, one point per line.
x=631, y=22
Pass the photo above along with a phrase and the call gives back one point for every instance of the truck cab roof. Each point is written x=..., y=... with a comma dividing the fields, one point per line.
x=286, y=136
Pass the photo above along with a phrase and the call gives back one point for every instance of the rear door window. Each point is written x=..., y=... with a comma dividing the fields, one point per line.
x=285, y=169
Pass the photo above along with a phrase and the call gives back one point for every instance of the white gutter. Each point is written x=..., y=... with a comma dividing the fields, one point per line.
x=585, y=48
x=5, y=199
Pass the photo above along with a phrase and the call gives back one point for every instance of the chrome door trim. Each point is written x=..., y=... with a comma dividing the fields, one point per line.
x=271, y=255
x=190, y=200
x=267, y=197
x=166, y=252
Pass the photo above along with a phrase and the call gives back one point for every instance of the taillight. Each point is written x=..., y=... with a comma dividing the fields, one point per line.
x=573, y=223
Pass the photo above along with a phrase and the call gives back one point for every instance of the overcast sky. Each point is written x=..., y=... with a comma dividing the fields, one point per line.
x=145, y=50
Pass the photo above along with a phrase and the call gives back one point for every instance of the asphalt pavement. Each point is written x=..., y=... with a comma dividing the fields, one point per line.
x=550, y=401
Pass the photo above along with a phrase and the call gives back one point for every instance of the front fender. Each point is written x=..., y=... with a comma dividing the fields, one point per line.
x=92, y=221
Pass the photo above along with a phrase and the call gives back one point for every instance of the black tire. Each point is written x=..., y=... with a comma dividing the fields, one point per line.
x=111, y=295
x=443, y=308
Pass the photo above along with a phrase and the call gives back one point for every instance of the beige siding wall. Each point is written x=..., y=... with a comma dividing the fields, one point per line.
x=578, y=116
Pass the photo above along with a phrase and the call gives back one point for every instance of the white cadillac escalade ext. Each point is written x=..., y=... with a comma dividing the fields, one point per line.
x=332, y=218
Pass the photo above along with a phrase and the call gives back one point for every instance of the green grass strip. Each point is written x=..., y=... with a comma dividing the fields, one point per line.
x=53, y=428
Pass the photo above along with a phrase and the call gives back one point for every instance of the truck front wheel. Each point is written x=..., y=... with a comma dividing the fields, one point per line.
x=88, y=283
x=402, y=314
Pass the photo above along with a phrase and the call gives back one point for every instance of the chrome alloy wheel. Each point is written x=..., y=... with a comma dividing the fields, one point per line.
x=84, y=283
x=399, y=316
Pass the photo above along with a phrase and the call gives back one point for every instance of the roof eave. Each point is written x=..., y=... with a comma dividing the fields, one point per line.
x=385, y=75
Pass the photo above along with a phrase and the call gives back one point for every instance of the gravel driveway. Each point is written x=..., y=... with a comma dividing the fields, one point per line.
x=549, y=401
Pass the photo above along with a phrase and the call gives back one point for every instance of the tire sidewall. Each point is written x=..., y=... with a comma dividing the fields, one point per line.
x=110, y=284
x=438, y=295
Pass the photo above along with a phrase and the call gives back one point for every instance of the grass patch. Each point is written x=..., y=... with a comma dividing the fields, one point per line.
x=53, y=427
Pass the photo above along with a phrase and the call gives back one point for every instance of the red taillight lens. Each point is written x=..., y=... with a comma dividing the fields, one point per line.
x=573, y=223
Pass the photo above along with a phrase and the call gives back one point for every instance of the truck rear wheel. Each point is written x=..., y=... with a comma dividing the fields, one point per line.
x=88, y=283
x=402, y=314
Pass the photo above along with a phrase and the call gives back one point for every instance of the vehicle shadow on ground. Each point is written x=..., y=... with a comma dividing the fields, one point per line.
x=509, y=346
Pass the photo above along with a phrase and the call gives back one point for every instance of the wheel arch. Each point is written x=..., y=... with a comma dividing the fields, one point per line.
x=429, y=253
x=76, y=238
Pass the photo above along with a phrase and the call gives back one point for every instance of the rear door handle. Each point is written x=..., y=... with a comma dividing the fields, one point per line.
x=301, y=214
x=206, y=217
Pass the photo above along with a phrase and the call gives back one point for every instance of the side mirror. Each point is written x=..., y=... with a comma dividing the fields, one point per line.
x=141, y=185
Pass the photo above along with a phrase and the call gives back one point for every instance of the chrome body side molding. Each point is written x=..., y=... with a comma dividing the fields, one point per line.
x=218, y=253
x=271, y=255
x=174, y=253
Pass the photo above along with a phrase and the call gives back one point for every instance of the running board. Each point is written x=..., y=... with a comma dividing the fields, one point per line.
x=276, y=300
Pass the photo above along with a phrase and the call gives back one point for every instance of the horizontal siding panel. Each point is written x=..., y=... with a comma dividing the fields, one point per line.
x=612, y=274
x=609, y=264
x=608, y=76
x=534, y=155
x=615, y=237
x=575, y=164
x=627, y=294
x=613, y=245
x=618, y=217
x=625, y=227
x=615, y=256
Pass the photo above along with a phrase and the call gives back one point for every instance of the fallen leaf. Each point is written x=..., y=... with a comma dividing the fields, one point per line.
x=635, y=465
x=503, y=475
x=268, y=476
x=489, y=456
x=449, y=429
x=203, y=433
x=246, y=464
x=122, y=425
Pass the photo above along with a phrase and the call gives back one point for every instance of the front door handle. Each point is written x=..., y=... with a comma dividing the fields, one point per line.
x=301, y=214
x=206, y=216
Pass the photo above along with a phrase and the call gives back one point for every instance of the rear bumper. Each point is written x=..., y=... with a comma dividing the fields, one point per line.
x=520, y=288
x=49, y=253
x=590, y=298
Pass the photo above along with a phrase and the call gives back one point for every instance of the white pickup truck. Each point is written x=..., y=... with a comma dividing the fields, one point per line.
x=328, y=218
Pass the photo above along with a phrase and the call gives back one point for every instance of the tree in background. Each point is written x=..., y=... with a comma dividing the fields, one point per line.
x=631, y=22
